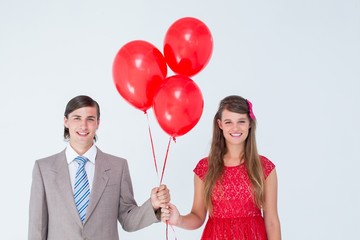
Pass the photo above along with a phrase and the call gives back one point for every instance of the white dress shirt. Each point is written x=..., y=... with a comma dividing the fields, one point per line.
x=73, y=165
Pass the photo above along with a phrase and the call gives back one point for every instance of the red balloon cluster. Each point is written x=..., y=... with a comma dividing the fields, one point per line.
x=139, y=70
x=140, y=75
x=178, y=105
x=188, y=46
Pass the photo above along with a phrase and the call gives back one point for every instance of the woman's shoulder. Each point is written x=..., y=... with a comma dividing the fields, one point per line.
x=203, y=162
x=201, y=167
x=267, y=165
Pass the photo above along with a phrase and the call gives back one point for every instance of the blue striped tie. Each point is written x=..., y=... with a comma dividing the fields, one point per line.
x=81, y=188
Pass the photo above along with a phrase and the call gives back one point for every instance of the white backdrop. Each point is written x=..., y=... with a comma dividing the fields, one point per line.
x=297, y=61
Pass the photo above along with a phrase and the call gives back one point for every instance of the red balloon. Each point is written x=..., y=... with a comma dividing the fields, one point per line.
x=188, y=46
x=178, y=105
x=139, y=69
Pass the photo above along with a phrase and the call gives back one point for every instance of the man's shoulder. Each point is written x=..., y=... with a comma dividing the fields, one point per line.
x=52, y=157
x=108, y=156
x=52, y=160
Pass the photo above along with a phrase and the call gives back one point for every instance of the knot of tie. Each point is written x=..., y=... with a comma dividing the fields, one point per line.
x=81, y=160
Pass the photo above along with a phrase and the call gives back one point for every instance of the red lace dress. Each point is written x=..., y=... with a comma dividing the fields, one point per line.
x=235, y=215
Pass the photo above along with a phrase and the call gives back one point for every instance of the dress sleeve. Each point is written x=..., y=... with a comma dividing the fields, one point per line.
x=201, y=168
x=267, y=165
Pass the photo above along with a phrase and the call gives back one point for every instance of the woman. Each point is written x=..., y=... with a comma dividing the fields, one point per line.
x=234, y=184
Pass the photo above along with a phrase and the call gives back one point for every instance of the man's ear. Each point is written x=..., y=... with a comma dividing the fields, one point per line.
x=65, y=122
x=98, y=124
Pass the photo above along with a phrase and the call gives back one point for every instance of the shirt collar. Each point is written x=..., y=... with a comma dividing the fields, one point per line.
x=71, y=154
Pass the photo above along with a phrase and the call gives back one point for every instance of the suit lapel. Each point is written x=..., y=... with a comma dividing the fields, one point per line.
x=101, y=178
x=63, y=182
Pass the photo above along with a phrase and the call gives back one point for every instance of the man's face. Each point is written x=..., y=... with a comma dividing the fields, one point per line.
x=82, y=124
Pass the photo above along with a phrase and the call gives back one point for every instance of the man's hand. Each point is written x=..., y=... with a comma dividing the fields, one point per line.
x=160, y=197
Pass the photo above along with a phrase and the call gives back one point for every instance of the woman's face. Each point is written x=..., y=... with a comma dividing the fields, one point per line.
x=235, y=127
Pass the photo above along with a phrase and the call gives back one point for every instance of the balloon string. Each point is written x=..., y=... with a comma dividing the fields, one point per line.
x=156, y=167
x=167, y=231
x=173, y=231
x=152, y=145
x=166, y=156
x=162, y=175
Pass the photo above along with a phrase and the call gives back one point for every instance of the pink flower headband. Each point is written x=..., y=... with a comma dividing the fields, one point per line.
x=251, y=112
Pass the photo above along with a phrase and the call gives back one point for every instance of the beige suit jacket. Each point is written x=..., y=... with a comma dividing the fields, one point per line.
x=53, y=214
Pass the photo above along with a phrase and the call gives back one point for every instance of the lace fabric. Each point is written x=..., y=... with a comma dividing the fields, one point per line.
x=235, y=215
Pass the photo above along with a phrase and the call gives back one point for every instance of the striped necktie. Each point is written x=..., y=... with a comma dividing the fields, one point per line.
x=81, y=188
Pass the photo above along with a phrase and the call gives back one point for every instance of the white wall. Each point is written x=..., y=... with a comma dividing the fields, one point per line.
x=298, y=61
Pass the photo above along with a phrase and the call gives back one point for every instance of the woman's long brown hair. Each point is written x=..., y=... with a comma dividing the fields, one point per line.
x=218, y=150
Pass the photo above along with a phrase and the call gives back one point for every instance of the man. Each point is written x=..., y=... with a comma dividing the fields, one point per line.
x=81, y=192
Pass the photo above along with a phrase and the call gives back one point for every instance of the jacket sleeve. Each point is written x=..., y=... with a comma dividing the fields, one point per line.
x=131, y=216
x=38, y=211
